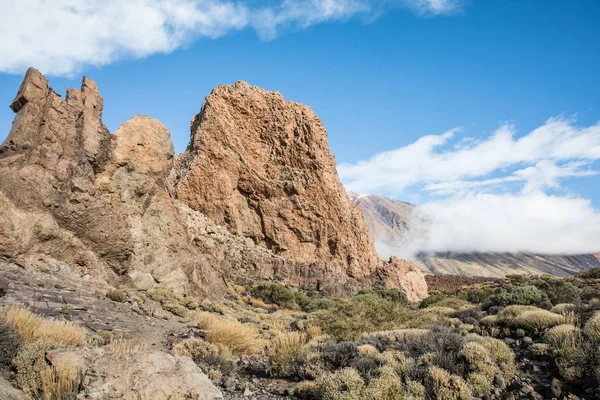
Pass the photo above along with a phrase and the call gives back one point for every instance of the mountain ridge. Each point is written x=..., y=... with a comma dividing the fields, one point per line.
x=388, y=220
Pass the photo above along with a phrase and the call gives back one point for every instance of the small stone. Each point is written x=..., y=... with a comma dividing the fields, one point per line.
x=509, y=341
x=555, y=388
x=527, y=340
x=499, y=381
x=247, y=392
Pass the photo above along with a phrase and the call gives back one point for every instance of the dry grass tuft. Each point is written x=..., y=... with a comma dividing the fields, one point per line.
x=31, y=328
x=126, y=347
x=61, y=381
x=239, y=338
x=258, y=303
x=287, y=351
x=196, y=348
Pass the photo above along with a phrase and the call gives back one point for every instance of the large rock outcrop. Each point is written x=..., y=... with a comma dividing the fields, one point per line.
x=255, y=196
x=261, y=166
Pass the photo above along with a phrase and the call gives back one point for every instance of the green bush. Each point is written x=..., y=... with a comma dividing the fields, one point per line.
x=393, y=294
x=9, y=346
x=349, y=319
x=592, y=273
x=274, y=293
x=116, y=295
x=520, y=295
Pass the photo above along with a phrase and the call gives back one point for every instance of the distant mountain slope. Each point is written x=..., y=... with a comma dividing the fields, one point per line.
x=388, y=220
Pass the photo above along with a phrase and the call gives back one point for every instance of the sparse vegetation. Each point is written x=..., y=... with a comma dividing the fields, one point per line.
x=116, y=295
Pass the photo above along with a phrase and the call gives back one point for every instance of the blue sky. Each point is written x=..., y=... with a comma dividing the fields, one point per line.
x=381, y=74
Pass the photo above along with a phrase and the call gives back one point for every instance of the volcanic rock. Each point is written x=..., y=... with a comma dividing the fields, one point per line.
x=261, y=166
x=255, y=196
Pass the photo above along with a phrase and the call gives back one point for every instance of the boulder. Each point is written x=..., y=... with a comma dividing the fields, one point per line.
x=154, y=375
x=8, y=392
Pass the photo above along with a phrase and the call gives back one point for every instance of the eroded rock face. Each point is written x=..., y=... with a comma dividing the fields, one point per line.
x=261, y=166
x=255, y=196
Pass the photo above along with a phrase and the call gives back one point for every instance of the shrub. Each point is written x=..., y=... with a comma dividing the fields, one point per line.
x=536, y=319
x=338, y=355
x=560, y=335
x=479, y=359
x=563, y=308
x=61, y=382
x=526, y=295
x=557, y=290
x=31, y=328
x=387, y=386
x=592, y=327
x=480, y=384
x=258, y=303
x=197, y=348
x=287, y=352
x=274, y=293
x=500, y=353
x=175, y=308
x=9, y=346
x=122, y=346
x=29, y=365
x=540, y=349
x=239, y=338
x=592, y=273
x=439, y=384
x=345, y=384
x=392, y=294
x=348, y=320
x=368, y=350
x=116, y=295
x=366, y=366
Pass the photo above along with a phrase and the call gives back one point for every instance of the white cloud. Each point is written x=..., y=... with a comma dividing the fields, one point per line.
x=60, y=37
x=533, y=222
x=544, y=151
x=493, y=191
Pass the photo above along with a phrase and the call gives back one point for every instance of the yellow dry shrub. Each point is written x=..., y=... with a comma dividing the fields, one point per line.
x=439, y=310
x=563, y=308
x=258, y=303
x=31, y=328
x=480, y=384
x=561, y=335
x=387, y=386
x=286, y=350
x=61, y=381
x=197, y=348
x=479, y=359
x=239, y=338
x=439, y=384
x=343, y=384
x=122, y=346
x=313, y=332
x=535, y=319
x=205, y=320
x=592, y=327
x=489, y=320
x=368, y=350
x=500, y=353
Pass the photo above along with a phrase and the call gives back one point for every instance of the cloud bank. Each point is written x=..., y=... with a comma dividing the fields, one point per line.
x=497, y=194
x=60, y=37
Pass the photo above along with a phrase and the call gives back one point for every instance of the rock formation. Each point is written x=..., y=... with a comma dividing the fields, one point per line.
x=255, y=196
x=261, y=166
